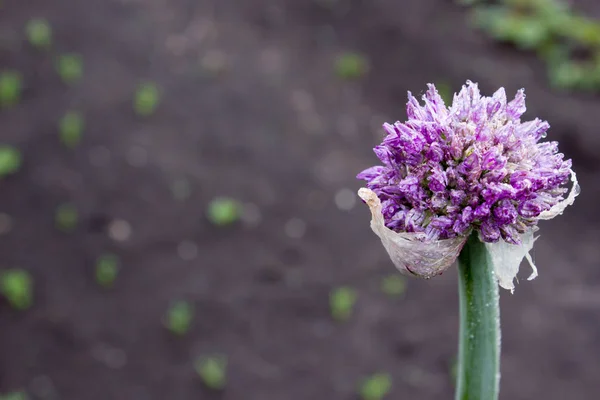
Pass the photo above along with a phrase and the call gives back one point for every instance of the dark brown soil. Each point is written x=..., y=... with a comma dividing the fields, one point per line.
x=251, y=109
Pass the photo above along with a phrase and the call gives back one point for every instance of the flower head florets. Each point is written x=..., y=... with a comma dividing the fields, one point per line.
x=473, y=165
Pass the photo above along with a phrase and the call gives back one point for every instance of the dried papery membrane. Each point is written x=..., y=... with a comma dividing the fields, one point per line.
x=410, y=255
x=507, y=257
x=559, y=208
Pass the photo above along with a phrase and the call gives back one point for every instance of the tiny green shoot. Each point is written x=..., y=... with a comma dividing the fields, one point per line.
x=223, y=211
x=14, y=396
x=393, y=285
x=107, y=269
x=10, y=160
x=66, y=217
x=341, y=303
x=212, y=371
x=16, y=287
x=70, y=67
x=376, y=386
x=351, y=66
x=179, y=318
x=147, y=98
x=39, y=33
x=71, y=128
x=10, y=88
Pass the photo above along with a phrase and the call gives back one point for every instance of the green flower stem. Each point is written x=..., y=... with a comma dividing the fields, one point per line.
x=479, y=338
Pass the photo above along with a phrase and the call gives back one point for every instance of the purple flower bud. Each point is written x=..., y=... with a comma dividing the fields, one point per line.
x=472, y=165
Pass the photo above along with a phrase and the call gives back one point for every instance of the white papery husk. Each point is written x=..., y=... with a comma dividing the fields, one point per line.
x=410, y=255
x=428, y=259
x=506, y=257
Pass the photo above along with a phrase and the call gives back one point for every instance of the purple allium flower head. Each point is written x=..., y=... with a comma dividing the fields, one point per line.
x=472, y=165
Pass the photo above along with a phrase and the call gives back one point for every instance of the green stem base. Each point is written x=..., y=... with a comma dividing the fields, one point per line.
x=479, y=338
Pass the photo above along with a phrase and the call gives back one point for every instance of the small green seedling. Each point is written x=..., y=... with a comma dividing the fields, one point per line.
x=351, y=66
x=10, y=160
x=179, y=318
x=10, y=88
x=107, y=269
x=223, y=211
x=14, y=396
x=341, y=303
x=16, y=286
x=71, y=128
x=147, y=98
x=393, y=285
x=66, y=217
x=212, y=371
x=376, y=386
x=39, y=33
x=70, y=68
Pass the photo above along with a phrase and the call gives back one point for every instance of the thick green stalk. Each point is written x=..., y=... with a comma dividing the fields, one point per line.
x=479, y=338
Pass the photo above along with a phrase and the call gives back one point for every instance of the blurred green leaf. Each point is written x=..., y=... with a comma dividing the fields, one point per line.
x=14, y=396
x=147, y=98
x=393, y=285
x=10, y=160
x=107, y=269
x=223, y=211
x=351, y=66
x=10, y=88
x=71, y=128
x=376, y=386
x=179, y=317
x=213, y=371
x=39, y=33
x=70, y=67
x=341, y=303
x=66, y=217
x=16, y=286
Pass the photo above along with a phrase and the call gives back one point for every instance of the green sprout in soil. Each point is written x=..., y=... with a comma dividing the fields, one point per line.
x=66, y=217
x=393, y=285
x=179, y=318
x=376, y=386
x=568, y=42
x=147, y=98
x=10, y=160
x=10, y=88
x=14, y=396
x=213, y=371
x=223, y=211
x=71, y=128
x=351, y=66
x=107, y=269
x=70, y=67
x=39, y=33
x=16, y=287
x=341, y=303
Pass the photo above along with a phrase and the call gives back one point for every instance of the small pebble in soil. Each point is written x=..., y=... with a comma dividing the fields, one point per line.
x=119, y=230
x=345, y=199
x=187, y=250
x=295, y=228
x=110, y=356
x=42, y=386
x=250, y=215
x=5, y=223
x=99, y=156
x=137, y=156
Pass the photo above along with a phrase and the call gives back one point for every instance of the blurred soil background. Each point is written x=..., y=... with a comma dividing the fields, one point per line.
x=142, y=285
